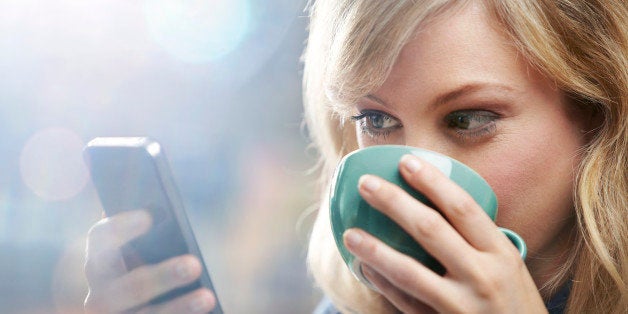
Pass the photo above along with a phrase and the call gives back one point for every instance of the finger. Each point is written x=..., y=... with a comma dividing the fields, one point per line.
x=198, y=301
x=400, y=270
x=104, y=260
x=102, y=267
x=398, y=298
x=113, y=232
x=424, y=224
x=461, y=210
x=149, y=281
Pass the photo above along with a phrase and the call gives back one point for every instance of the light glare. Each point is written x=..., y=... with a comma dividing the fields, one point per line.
x=51, y=164
x=198, y=31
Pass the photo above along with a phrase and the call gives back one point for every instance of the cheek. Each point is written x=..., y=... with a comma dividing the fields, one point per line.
x=533, y=179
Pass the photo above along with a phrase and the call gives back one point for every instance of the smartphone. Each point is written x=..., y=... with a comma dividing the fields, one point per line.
x=132, y=173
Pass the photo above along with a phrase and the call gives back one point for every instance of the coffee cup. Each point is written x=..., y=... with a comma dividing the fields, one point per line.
x=349, y=210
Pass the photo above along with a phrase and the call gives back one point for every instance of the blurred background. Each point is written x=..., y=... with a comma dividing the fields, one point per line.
x=217, y=82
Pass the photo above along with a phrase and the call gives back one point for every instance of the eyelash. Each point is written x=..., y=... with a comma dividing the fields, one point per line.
x=363, y=119
x=488, y=124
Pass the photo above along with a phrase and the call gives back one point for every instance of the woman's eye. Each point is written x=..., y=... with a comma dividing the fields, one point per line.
x=376, y=123
x=471, y=122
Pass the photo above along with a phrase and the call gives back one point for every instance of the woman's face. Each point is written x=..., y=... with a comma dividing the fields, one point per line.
x=460, y=88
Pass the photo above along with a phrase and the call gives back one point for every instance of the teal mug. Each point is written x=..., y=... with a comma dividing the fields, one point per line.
x=349, y=210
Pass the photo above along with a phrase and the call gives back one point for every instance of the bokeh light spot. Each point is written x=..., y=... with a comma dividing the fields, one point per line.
x=51, y=164
x=198, y=31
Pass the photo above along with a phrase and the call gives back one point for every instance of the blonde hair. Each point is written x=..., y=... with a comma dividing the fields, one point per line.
x=581, y=44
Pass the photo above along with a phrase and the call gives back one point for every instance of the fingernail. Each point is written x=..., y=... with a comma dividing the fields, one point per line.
x=411, y=163
x=183, y=270
x=353, y=238
x=199, y=305
x=369, y=183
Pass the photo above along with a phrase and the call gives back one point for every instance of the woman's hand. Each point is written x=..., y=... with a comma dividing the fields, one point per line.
x=114, y=289
x=485, y=273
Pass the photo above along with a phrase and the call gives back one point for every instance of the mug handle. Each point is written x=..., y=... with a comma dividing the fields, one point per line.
x=517, y=241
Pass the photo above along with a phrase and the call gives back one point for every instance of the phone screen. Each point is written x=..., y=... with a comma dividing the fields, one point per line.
x=133, y=173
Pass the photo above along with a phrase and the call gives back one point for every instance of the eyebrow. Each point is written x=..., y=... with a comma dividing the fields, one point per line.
x=470, y=89
x=456, y=93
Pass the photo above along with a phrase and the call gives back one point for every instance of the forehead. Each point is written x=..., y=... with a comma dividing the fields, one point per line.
x=465, y=27
x=458, y=45
x=370, y=38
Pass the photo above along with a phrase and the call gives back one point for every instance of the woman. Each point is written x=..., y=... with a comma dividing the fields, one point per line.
x=532, y=94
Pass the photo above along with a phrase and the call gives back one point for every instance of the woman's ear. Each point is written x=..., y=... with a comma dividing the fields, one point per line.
x=588, y=115
x=593, y=122
x=596, y=118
